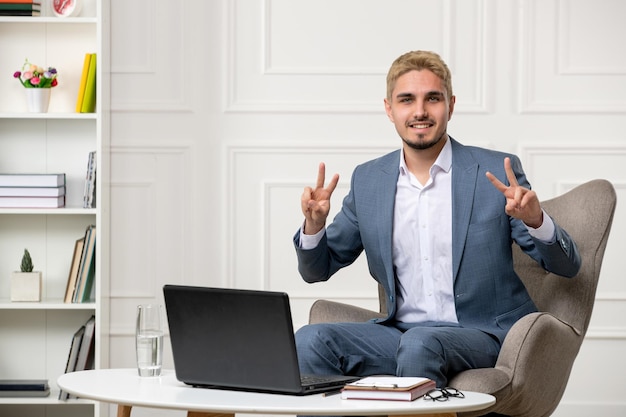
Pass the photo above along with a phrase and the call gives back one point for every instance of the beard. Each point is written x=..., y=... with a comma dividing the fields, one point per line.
x=422, y=145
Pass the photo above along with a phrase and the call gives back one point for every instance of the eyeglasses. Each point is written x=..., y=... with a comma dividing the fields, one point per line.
x=442, y=394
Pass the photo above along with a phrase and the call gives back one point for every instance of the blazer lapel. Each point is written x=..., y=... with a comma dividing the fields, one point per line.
x=385, y=201
x=464, y=173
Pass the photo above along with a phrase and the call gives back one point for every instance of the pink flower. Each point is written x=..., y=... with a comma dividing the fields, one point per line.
x=34, y=76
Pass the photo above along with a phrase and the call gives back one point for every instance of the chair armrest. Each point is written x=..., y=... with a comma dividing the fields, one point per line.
x=540, y=349
x=532, y=370
x=324, y=311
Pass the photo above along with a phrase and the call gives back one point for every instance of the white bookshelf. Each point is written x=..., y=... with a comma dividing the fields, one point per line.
x=36, y=337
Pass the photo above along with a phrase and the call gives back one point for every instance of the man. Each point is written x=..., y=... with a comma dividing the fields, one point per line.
x=436, y=224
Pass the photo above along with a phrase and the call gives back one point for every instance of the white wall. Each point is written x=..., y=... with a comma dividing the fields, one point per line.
x=223, y=109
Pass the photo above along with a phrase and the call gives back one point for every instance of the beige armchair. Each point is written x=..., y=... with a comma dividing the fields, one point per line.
x=537, y=355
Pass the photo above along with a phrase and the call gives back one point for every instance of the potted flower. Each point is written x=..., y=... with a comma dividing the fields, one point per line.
x=38, y=82
x=26, y=283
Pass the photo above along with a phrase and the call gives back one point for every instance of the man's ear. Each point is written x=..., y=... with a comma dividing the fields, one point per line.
x=388, y=110
x=451, y=107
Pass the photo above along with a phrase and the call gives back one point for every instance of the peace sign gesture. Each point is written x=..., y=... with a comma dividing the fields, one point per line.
x=315, y=202
x=521, y=202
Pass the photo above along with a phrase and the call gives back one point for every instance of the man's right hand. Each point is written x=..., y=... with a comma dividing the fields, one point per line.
x=316, y=202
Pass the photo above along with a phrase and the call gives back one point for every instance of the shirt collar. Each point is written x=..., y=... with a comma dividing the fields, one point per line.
x=443, y=161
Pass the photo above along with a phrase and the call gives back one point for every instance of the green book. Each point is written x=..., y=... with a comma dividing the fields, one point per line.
x=20, y=6
x=89, y=99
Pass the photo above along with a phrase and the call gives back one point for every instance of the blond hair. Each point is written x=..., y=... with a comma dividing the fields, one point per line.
x=419, y=60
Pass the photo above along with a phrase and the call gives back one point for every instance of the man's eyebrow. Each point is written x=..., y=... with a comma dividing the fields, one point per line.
x=435, y=93
x=404, y=95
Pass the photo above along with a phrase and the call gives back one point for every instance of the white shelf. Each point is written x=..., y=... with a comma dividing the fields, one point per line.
x=36, y=336
x=45, y=116
x=51, y=399
x=43, y=19
x=54, y=211
x=7, y=304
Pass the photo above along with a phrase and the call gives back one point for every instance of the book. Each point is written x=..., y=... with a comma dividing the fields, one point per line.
x=387, y=388
x=73, y=274
x=32, y=202
x=89, y=97
x=32, y=180
x=20, y=6
x=83, y=258
x=20, y=12
x=87, y=268
x=89, y=195
x=87, y=294
x=85, y=357
x=23, y=384
x=70, y=366
x=25, y=393
x=83, y=83
x=32, y=191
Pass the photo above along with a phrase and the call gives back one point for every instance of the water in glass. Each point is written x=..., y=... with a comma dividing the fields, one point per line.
x=149, y=340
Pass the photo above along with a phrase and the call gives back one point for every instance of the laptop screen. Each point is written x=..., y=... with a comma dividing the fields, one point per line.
x=229, y=338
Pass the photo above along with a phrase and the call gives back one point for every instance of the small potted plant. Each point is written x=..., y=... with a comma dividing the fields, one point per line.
x=38, y=83
x=26, y=284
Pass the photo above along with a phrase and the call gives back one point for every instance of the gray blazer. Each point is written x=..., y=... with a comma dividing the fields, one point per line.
x=488, y=293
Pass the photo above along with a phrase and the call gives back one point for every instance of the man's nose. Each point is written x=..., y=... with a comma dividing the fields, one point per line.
x=419, y=110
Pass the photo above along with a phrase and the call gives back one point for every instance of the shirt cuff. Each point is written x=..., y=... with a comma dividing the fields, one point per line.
x=545, y=232
x=310, y=241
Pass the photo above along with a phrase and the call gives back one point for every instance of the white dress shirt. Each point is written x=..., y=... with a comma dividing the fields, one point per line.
x=422, y=243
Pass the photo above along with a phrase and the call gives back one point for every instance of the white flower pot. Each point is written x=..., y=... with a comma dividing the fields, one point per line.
x=26, y=286
x=38, y=99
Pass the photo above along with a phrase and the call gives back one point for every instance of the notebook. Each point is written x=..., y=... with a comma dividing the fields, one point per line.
x=239, y=340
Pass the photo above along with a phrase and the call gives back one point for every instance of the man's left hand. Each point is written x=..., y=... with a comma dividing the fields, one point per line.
x=521, y=202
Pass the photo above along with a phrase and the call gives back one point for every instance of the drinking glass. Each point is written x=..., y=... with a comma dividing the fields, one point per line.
x=149, y=339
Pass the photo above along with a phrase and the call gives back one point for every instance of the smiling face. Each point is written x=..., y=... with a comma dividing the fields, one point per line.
x=420, y=109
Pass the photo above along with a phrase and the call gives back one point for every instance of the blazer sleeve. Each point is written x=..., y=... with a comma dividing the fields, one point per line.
x=562, y=256
x=340, y=246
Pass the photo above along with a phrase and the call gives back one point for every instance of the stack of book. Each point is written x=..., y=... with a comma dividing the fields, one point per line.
x=81, y=277
x=24, y=388
x=32, y=190
x=20, y=8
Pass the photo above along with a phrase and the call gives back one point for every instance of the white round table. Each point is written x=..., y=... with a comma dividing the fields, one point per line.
x=126, y=389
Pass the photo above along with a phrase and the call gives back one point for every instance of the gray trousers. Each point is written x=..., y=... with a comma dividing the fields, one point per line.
x=434, y=351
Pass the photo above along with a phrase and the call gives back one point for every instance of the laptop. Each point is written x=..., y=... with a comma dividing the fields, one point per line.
x=239, y=340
